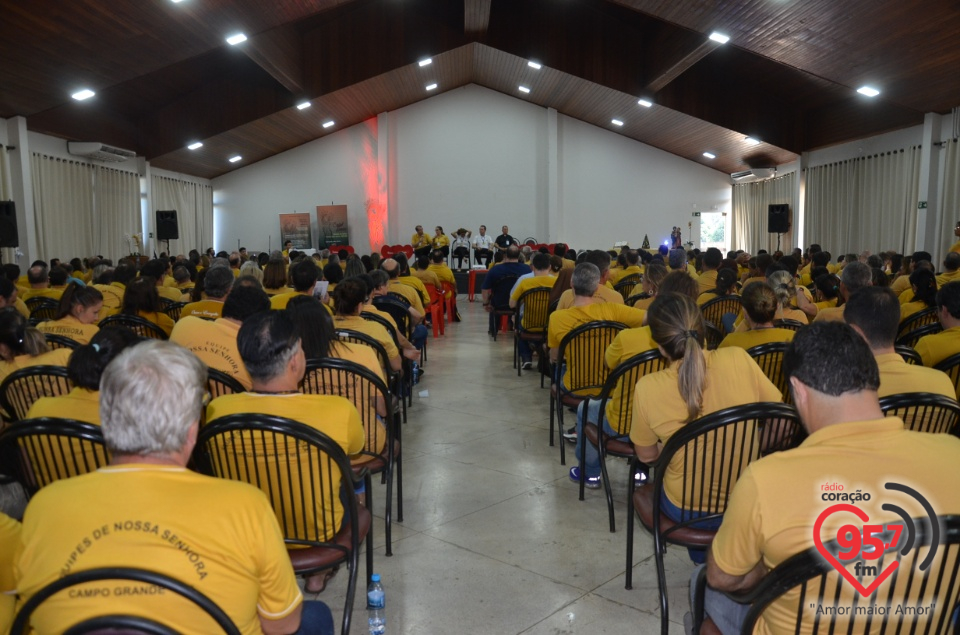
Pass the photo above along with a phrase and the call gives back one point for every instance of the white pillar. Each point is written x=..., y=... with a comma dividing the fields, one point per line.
x=928, y=198
x=21, y=177
x=552, y=229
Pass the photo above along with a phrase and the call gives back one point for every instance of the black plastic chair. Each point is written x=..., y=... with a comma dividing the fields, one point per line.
x=395, y=378
x=21, y=624
x=173, y=309
x=909, y=355
x=42, y=309
x=911, y=338
x=48, y=449
x=923, y=411
x=294, y=465
x=807, y=580
x=769, y=357
x=23, y=387
x=500, y=301
x=918, y=319
x=532, y=326
x=407, y=377
x=718, y=446
x=135, y=323
x=632, y=300
x=625, y=377
x=713, y=312
x=332, y=376
x=60, y=341
x=951, y=366
x=582, y=352
x=793, y=325
x=220, y=383
x=627, y=285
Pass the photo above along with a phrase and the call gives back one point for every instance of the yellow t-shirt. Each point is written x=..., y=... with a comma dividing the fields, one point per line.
x=534, y=317
x=280, y=301
x=164, y=321
x=897, y=376
x=56, y=357
x=937, y=347
x=215, y=343
x=756, y=337
x=21, y=307
x=908, y=309
x=71, y=327
x=408, y=292
x=947, y=277
x=217, y=535
x=334, y=416
x=9, y=541
x=659, y=411
x=707, y=281
x=414, y=282
x=620, y=274
x=955, y=247
x=367, y=327
x=208, y=309
x=445, y=274
x=830, y=314
x=707, y=296
x=366, y=404
x=627, y=343
x=603, y=294
x=418, y=241
x=80, y=404
x=427, y=277
x=49, y=292
x=171, y=293
x=439, y=242
x=776, y=501
x=901, y=284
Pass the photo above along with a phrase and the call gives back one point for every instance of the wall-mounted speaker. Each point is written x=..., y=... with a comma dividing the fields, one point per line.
x=9, y=237
x=778, y=218
x=167, y=228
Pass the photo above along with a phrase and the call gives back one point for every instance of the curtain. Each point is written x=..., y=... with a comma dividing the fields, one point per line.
x=949, y=212
x=63, y=207
x=117, y=204
x=868, y=203
x=750, y=203
x=194, y=205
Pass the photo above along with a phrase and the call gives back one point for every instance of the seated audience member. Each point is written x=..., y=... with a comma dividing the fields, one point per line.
x=511, y=266
x=58, y=278
x=275, y=278
x=349, y=300
x=333, y=274
x=112, y=283
x=632, y=267
x=902, y=283
x=855, y=276
x=78, y=314
x=215, y=342
x=8, y=297
x=438, y=266
x=85, y=369
x=542, y=278
x=22, y=345
x=601, y=260
x=696, y=383
x=157, y=269
x=423, y=272
x=951, y=269
x=760, y=306
x=907, y=295
x=936, y=348
x=653, y=277
x=711, y=262
x=251, y=269
x=354, y=266
x=677, y=261
x=38, y=277
x=923, y=283
x=773, y=507
x=758, y=273
x=407, y=278
x=726, y=284
x=392, y=267
x=151, y=399
x=9, y=541
x=216, y=284
x=141, y=299
x=303, y=276
x=377, y=282
x=183, y=278
x=785, y=286
x=271, y=350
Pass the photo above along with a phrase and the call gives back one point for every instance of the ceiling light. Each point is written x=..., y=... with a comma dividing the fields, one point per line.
x=235, y=158
x=426, y=62
x=616, y=122
x=720, y=38
x=80, y=95
x=194, y=145
x=868, y=91
x=327, y=124
x=302, y=105
x=524, y=89
x=645, y=103
x=710, y=155
x=233, y=40
x=750, y=141
x=177, y=1
x=534, y=65
x=431, y=86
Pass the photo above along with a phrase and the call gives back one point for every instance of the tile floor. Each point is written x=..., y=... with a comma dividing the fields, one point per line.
x=494, y=539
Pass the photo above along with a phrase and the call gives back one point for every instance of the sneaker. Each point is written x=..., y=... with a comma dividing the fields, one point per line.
x=591, y=482
x=639, y=478
x=527, y=365
x=571, y=434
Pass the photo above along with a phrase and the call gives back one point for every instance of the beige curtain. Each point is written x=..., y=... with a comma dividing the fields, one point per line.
x=63, y=207
x=194, y=205
x=868, y=203
x=750, y=206
x=949, y=212
x=117, y=204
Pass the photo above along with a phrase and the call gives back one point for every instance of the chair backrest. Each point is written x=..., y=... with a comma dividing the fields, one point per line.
x=42, y=309
x=632, y=300
x=21, y=624
x=625, y=287
x=910, y=338
x=220, y=383
x=135, y=323
x=711, y=452
x=909, y=355
x=45, y=450
x=398, y=309
x=951, y=366
x=23, y=387
x=60, y=341
x=769, y=357
x=373, y=317
x=713, y=311
x=793, y=325
x=625, y=376
x=807, y=581
x=583, y=349
x=173, y=309
x=920, y=318
x=533, y=304
x=346, y=335
x=923, y=411
x=500, y=292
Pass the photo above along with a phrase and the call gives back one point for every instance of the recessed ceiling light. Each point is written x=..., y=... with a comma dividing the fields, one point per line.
x=431, y=86
x=237, y=38
x=426, y=62
x=177, y=1
x=535, y=66
x=710, y=155
x=327, y=124
x=720, y=38
x=235, y=158
x=194, y=145
x=616, y=122
x=524, y=89
x=868, y=91
x=750, y=141
x=645, y=103
x=303, y=104
x=80, y=95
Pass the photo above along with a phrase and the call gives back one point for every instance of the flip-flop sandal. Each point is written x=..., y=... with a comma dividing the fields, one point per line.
x=323, y=583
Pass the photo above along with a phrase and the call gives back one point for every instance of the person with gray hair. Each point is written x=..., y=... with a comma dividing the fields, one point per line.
x=218, y=535
x=604, y=291
x=855, y=276
x=217, y=283
x=251, y=269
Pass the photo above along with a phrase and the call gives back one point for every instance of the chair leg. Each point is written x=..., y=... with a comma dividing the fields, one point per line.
x=628, y=584
x=606, y=483
x=658, y=552
x=387, y=511
x=583, y=462
x=552, y=405
x=561, y=440
x=399, y=468
x=368, y=484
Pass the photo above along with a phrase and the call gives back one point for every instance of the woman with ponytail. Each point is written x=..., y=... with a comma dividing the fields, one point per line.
x=785, y=286
x=924, y=284
x=78, y=314
x=21, y=345
x=696, y=383
x=84, y=369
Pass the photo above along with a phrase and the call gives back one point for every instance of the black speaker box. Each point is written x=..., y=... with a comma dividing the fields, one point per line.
x=9, y=237
x=778, y=218
x=167, y=228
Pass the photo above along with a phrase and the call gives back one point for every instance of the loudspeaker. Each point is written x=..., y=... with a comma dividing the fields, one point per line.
x=167, y=225
x=9, y=237
x=778, y=219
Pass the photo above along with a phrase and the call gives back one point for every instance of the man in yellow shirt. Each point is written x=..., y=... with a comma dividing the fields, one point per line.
x=146, y=508
x=633, y=267
x=303, y=276
x=156, y=269
x=540, y=278
x=951, y=269
x=902, y=284
x=405, y=277
x=216, y=286
x=425, y=274
x=39, y=279
x=777, y=500
x=438, y=266
x=936, y=348
x=113, y=284
x=601, y=260
x=854, y=277
x=420, y=242
x=711, y=262
x=392, y=267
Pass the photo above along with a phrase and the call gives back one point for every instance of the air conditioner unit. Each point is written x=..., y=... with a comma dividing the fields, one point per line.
x=763, y=173
x=736, y=176
x=754, y=174
x=99, y=151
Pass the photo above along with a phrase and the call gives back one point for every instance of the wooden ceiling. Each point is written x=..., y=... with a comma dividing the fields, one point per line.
x=165, y=77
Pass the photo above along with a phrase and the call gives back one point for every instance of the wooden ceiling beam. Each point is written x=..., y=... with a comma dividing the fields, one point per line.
x=476, y=18
x=660, y=78
x=280, y=53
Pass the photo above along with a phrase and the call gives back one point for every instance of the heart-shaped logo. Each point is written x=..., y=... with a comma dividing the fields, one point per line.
x=862, y=515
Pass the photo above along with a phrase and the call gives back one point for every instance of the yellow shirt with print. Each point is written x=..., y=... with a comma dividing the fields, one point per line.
x=69, y=326
x=534, y=317
x=756, y=337
x=206, y=309
x=9, y=541
x=215, y=343
x=937, y=347
x=217, y=535
x=628, y=343
x=603, y=294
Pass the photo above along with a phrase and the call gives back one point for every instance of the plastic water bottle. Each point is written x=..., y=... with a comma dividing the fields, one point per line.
x=376, y=603
x=416, y=373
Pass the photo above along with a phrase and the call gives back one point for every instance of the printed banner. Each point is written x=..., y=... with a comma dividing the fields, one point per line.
x=332, y=222
x=296, y=228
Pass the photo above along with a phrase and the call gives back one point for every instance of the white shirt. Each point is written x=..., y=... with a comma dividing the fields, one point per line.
x=482, y=242
x=460, y=242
